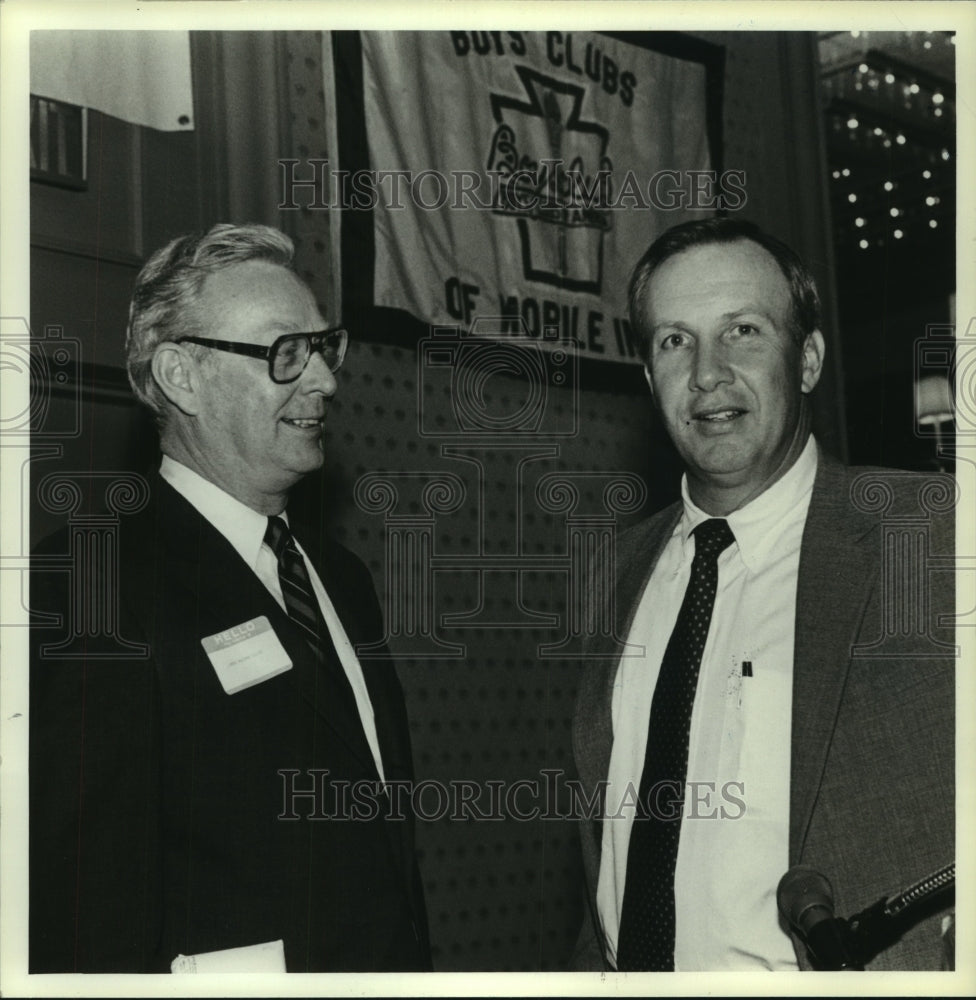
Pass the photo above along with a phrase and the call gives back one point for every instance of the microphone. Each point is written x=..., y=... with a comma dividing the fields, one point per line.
x=806, y=902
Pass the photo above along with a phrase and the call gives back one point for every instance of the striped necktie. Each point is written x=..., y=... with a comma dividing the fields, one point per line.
x=647, y=918
x=296, y=587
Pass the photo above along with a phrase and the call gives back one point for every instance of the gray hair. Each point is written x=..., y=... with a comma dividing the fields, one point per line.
x=167, y=287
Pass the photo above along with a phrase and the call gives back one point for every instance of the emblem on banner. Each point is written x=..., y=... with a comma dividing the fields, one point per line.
x=553, y=176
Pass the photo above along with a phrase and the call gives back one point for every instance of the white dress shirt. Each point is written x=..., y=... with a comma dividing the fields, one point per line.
x=734, y=844
x=244, y=528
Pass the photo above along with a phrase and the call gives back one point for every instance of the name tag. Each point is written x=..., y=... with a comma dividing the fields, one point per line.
x=246, y=654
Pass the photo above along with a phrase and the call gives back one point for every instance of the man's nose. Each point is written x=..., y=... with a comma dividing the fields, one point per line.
x=710, y=368
x=318, y=377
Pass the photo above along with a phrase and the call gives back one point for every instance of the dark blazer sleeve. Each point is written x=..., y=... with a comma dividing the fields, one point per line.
x=95, y=902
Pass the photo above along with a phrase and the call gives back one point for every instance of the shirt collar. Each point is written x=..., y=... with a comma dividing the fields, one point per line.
x=243, y=527
x=760, y=524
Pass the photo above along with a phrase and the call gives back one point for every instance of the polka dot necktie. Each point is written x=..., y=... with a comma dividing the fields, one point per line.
x=296, y=587
x=646, y=938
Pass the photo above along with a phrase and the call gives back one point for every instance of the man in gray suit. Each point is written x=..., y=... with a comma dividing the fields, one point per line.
x=782, y=688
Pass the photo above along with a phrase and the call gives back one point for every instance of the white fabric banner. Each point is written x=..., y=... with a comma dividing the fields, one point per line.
x=529, y=172
x=142, y=77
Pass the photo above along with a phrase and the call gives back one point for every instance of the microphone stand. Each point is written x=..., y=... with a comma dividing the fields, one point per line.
x=832, y=946
x=838, y=944
x=880, y=925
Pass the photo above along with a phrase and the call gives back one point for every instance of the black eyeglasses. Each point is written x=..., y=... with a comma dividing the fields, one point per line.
x=289, y=355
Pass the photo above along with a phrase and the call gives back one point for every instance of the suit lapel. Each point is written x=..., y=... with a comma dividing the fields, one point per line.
x=228, y=592
x=354, y=603
x=362, y=620
x=837, y=569
x=347, y=600
x=638, y=551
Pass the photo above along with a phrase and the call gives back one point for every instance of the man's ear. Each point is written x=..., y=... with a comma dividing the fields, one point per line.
x=177, y=373
x=813, y=358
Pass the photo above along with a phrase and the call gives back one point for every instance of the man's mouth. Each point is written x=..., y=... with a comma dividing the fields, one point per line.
x=304, y=423
x=719, y=416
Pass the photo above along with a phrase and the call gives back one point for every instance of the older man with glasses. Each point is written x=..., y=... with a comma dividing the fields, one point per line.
x=229, y=789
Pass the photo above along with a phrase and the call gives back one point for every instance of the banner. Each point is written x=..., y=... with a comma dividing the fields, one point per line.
x=516, y=177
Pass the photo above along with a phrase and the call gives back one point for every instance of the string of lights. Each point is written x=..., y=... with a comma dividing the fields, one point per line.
x=890, y=112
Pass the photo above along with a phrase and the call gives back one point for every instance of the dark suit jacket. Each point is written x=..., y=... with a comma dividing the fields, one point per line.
x=872, y=760
x=156, y=799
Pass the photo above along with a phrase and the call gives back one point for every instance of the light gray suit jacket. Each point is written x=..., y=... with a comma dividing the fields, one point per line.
x=872, y=763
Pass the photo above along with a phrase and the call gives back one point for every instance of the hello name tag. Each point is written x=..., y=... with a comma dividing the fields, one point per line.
x=246, y=654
